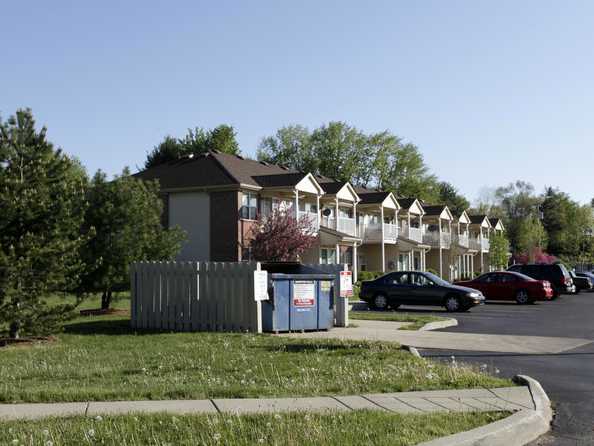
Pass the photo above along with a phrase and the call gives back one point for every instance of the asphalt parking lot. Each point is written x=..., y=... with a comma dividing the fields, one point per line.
x=568, y=377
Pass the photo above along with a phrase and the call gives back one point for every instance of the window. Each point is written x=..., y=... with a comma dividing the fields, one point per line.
x=397, y=279
x=249, y=206
x=308, y=207
x=487, y=278
x=421, y=280
x=507, y=278
x=327, y=256
x=266, y=206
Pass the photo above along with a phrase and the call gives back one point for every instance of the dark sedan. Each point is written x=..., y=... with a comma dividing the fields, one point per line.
x=507, y=285
x=417, y=288
x=582, y=282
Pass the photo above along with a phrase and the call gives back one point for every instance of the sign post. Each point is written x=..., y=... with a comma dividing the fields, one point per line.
x=345, y=290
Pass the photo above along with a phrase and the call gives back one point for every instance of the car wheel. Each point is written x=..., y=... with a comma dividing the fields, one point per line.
x=522, y=297
x=380, y=302
x=452, y=304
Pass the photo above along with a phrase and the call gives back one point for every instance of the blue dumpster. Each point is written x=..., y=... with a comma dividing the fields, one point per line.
x=300, y=298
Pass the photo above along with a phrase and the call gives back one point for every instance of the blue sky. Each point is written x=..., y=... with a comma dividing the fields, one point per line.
x=491, y=91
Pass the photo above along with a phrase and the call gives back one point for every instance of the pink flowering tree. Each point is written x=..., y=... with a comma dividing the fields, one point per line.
x=536, y=255
x=280, y=237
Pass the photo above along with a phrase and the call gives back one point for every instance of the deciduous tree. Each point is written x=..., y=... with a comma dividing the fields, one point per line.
x=125, y=215
x=196, y=142
x=281, y=237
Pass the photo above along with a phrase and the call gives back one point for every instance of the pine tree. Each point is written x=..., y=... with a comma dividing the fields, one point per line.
x=42, y=202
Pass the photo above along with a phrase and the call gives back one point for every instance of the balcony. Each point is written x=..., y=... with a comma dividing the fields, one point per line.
x=480, y=245
x=437, y=240
x=412, y=233
x=311, y=217
x=462, y=240
x=345, y=225
x=372, y=232
x=485, y=244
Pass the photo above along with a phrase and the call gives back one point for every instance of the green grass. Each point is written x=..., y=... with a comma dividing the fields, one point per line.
x=101, y=358
x=354, y=428
x=416, y=320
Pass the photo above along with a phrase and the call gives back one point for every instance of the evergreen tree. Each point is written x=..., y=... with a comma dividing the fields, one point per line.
x=449, y=196
x=42, y=202
x=125, y=215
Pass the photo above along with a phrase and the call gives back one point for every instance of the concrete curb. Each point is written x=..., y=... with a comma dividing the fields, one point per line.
x=450, y=322
x=518, y=429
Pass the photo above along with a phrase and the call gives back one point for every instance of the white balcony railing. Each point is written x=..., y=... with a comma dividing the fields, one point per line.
x=437, y=240
x=485, y=244
x=311, y=217
x=462, y=240
x=411, y=233
x=346, y=225
x=372, y=232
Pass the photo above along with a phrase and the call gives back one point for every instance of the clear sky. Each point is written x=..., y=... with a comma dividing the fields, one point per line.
x=491, y=91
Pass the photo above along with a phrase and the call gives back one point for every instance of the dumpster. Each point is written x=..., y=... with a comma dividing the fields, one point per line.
x=300, y=298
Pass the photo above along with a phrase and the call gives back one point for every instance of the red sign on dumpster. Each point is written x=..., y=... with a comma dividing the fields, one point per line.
x=304, y=293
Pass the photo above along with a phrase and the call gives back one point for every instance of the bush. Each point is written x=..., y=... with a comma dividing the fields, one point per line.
x=369, y=275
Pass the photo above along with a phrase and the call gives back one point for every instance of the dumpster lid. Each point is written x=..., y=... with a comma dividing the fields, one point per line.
x=294, y=270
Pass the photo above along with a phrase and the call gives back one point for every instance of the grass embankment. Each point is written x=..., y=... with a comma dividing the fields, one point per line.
x=416, y=320
x=354, y=428
x=101, y=358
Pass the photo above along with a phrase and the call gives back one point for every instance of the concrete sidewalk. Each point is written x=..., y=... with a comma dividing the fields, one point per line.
x=370, y=330
x=511, y=399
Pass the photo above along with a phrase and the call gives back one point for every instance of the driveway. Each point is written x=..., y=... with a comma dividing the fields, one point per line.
x=567, y=377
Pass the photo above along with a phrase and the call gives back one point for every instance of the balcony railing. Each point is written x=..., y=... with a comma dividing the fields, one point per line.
x=372, y=232
x=462, y=240
x=346, y=225
x=437, y=240
x=311, y=217
x=479, y=245
x=411, y=233
x=485, y=244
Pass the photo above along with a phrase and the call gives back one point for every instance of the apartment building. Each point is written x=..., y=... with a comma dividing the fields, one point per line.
x=217, y=198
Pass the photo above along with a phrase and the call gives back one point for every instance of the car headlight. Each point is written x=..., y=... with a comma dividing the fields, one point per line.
x=474, y=295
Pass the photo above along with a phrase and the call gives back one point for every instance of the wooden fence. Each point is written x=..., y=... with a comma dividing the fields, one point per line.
x=194, y=296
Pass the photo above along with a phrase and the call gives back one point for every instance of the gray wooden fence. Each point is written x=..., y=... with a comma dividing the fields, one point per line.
x=206, y=296
x=194, y=296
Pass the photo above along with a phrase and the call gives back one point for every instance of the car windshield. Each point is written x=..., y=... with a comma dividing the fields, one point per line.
x=438, y=280
x=564, y=270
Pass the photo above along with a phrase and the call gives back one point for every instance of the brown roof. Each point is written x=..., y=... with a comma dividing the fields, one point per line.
x=331, y=187
x=373, y=197
x=477, y=219
x=216, y=169
x=406, y=203
x=433, y=209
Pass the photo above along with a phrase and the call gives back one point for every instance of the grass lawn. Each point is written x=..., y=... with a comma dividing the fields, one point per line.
x=416, y=320
x=354, y=428
x=101, y=358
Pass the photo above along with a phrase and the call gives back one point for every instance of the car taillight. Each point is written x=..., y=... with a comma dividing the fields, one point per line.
x=568, y=281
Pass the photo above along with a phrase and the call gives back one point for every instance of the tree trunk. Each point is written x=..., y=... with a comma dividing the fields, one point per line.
x=106, y=300
x=14, y=330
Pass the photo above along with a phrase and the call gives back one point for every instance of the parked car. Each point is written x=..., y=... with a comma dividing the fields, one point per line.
x=507, y=285
x=417, y=288
x=581, y=283
x=588, y=276
x=556, y=274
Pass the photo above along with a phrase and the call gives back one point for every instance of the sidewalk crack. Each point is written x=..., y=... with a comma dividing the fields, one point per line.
x=340, y=402
x=215, y=406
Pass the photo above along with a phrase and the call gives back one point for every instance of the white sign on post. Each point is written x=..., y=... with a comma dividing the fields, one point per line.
x=346, y=283
x=260, y=285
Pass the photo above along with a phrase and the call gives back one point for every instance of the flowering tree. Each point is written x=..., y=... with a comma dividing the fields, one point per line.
x=536, y=255
x=280, y=237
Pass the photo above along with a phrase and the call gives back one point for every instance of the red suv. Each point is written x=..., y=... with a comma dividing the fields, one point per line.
x=506, y=285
